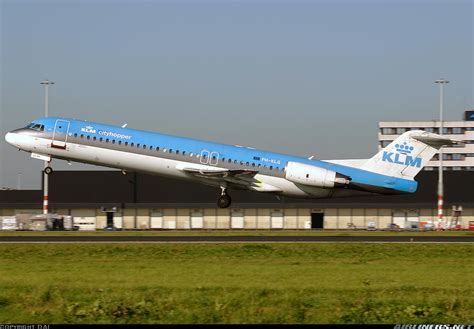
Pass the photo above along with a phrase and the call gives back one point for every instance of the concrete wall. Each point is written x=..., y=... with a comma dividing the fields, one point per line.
x=254, y=219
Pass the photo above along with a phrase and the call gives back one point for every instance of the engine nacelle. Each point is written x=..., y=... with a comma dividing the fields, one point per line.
x=305, y=174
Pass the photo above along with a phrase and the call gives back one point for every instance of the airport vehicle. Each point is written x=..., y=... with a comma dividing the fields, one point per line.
x=390, y=171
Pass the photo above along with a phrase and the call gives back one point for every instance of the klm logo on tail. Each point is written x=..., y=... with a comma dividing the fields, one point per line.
x=402, y=156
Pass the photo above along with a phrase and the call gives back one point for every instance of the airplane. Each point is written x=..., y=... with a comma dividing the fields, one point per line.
x=390, y=171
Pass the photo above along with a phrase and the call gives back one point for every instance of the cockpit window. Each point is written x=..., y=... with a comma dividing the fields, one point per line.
x=35, y=126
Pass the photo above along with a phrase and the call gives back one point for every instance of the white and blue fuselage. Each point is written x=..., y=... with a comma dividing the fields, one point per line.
x=221, y=165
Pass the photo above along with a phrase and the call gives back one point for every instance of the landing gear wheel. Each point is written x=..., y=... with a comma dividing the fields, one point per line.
x=224, y=201
x=48, y=170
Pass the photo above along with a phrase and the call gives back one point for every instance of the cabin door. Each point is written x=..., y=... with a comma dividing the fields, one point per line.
x=61, y=129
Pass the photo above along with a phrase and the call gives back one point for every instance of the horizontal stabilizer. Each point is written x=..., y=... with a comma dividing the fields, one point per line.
x=435, y=141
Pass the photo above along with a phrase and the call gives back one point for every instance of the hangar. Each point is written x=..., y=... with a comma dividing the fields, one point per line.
x=151, y=202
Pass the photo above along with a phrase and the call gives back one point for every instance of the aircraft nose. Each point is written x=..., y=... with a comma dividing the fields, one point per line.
x=10, y=138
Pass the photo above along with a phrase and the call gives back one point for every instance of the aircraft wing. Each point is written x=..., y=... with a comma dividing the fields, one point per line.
x=239, y=177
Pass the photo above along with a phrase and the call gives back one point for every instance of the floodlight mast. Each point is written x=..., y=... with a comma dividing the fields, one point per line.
x=46, y=84
x=441, y=83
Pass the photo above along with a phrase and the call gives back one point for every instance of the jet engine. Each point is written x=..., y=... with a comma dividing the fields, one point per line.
x=305, y=174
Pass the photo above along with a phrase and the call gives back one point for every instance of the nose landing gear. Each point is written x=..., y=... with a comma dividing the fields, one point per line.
x=48, y=170
x=224, y=200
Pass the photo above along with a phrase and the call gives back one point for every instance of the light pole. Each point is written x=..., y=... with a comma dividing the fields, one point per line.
x=441, y=83
x=46, y=84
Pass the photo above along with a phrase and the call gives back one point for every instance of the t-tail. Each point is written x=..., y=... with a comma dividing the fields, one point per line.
x=406, y=155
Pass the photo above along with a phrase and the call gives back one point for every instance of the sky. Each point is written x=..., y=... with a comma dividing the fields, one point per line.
x=299, y=77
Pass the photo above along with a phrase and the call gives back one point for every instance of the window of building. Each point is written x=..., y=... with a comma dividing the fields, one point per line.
x=388, y=131
x=401, y=131
x=458, y=157
x=457, y=130
x=447, y=156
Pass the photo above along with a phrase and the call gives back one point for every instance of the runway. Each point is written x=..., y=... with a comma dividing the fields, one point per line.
x=235, y=239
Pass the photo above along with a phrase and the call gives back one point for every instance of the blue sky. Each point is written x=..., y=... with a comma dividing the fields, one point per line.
x=300, y=77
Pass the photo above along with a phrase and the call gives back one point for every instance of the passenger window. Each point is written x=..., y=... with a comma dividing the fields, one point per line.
x=177, y=152
x=113, y=141
x=131, y=144
x=101, y=139
x=144, y=146
x=184, y=152
x=271, y=167
x=151, y=147
x=138, y=144
x=82, y=135
x=157, y=148
x=107, y=140
x=229, y=161
x=75, y=135
x=93, y=138
x=247, y=163
x=191, y=154
x=120, y=142
x=241, y=163
x=235, y=161
x=126, y=143
x=88, y=137
x=171, y=150
x=253, y=164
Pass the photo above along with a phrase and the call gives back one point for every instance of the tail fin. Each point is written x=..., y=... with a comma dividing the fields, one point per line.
x=407, y=154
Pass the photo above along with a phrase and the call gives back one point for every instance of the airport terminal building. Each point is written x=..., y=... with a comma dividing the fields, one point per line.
x=144, y=202
x=455, y=157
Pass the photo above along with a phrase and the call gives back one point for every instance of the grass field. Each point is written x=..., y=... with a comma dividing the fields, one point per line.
x=236, y=283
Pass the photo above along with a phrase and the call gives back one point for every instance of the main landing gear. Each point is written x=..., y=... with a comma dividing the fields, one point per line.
x=224, y=200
